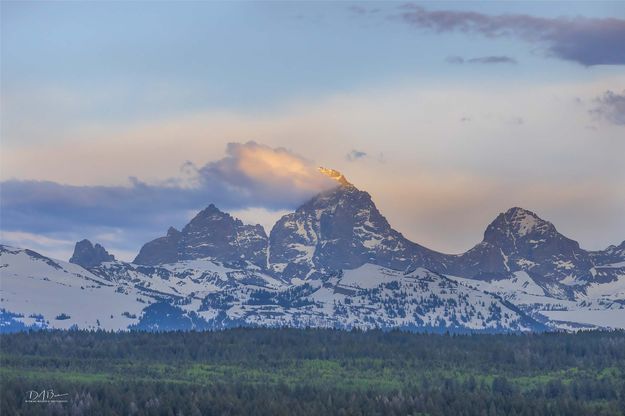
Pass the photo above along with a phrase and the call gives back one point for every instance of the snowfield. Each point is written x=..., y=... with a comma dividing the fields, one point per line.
x=37, y=291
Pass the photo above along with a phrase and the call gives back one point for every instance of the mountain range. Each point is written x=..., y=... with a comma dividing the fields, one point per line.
x=334, y=262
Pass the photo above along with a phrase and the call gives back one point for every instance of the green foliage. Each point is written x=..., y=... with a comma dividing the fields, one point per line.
x=314, y=371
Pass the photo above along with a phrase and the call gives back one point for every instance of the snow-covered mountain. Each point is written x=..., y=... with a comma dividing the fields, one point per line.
x=342, y=229
x=519, y=240
x=334, y=262
x=525, y=260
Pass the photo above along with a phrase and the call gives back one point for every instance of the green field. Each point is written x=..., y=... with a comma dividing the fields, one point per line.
x=284, y=371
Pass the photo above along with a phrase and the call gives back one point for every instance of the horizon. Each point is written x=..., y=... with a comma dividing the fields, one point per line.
x=269, y=226
x=447, y=113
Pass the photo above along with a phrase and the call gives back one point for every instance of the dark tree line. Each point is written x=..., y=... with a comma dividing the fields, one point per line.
x=141, y=373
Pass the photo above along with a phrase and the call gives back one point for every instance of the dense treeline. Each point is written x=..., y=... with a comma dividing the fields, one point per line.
x=287, y=371
x=545, y=351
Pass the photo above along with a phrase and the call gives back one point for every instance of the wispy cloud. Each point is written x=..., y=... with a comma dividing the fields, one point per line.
x=492, y=60
x=611, y=107
x=587, y=41
x=455, y=59
x=500, y=59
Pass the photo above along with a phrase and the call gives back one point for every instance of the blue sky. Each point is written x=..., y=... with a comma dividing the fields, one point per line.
x=146, y=60
x=520, y=101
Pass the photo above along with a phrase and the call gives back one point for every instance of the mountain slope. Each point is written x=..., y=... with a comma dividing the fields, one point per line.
x=46, y=293
x=372, y=297
x=203, y=294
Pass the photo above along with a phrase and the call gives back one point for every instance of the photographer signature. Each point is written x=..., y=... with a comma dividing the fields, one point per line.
x=45, y=396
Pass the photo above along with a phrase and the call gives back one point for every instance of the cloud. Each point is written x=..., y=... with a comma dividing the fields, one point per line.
x=361, y=10
x=458, y=60
x=251, y=175
x=587, y=41
x=274, y=177
x=355, y=155
x=357, y=9
x=611, y=107
x=492, y=60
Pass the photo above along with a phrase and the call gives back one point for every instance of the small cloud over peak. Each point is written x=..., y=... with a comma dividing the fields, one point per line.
x=516, y=121
x=355, y=155
x=610, y=106
x=257, y=168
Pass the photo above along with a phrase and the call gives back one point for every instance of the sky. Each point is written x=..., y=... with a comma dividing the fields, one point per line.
x=120, y=119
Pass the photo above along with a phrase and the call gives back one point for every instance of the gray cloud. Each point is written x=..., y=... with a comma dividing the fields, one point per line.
x=611, y=107
x=457, y=60
x=251, y=175
x=493, y=60
x=500, y=59
x=358, y=9
x=362, y=10
x=355, y=155
x=587, y=41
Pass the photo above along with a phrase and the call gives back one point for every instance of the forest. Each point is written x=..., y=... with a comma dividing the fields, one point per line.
x=312, y=372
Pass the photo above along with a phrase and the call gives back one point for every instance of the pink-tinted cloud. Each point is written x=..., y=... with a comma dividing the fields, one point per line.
x=267, y=173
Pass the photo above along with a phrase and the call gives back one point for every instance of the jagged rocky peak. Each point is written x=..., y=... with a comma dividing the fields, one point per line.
x=618, y=252
x=519, y=240
x=212, y=234
x=336, y=175
x=171, y=231
x=517, y=222
x=340, y=229
x=87, y=255
x=519, y=231
x=210, y=213
x=611, y=255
